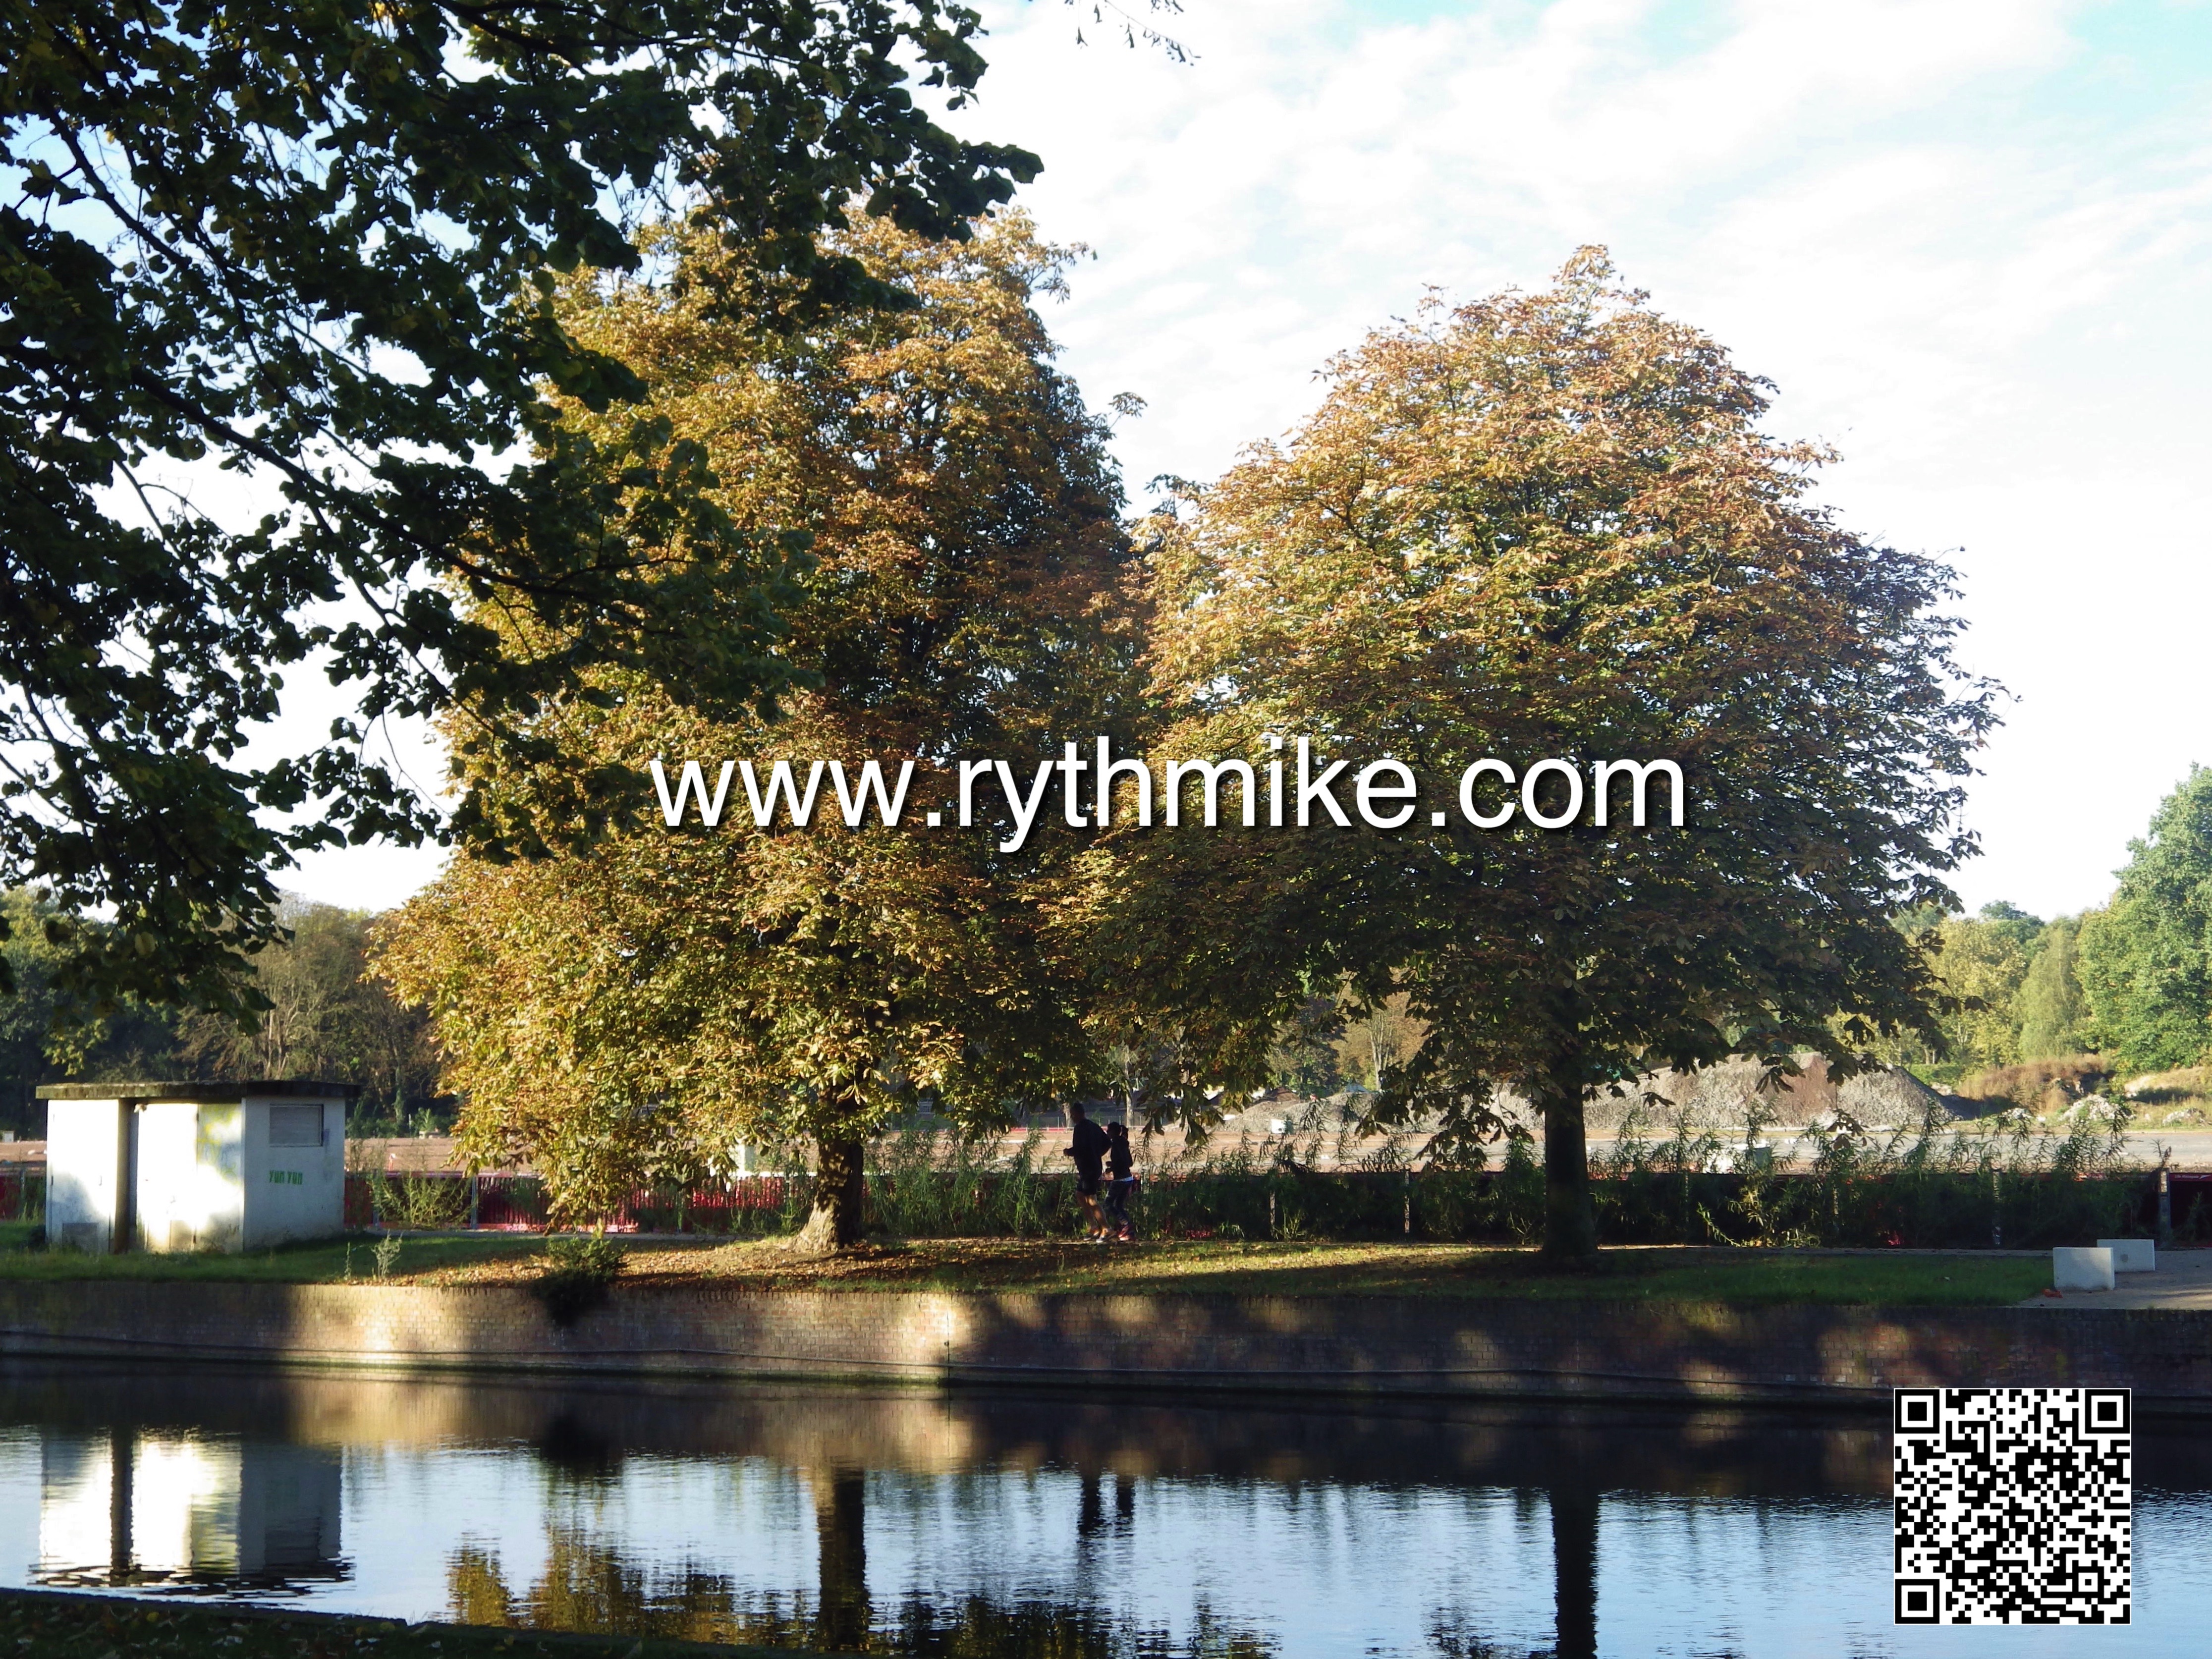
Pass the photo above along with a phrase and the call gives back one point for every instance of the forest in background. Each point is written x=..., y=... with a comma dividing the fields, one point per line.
x=327, y=1019
x=2124, y=989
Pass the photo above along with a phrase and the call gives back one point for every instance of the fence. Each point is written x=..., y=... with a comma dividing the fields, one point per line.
x=2027, y=1187
x=22, y=1195
x=517, y=1203
x=1923, y=1210
x=1936, y=1211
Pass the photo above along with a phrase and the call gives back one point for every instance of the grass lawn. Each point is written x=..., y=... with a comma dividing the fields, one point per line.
x=49, y=1625
x=1746, y=1276
x=321, y=1263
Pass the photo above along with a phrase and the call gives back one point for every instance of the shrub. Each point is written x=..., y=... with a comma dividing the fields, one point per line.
x=575, y=1276
x=418, y=1202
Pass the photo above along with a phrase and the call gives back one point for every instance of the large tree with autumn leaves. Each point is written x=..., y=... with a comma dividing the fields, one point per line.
x=637, y=997
x=315, y=244
x=1548, y=525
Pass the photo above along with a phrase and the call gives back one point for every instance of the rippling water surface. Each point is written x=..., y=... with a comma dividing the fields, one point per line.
x=1007, y=1526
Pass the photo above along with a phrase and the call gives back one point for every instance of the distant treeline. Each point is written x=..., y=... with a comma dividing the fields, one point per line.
x=2131, y=982
x=326, y=1019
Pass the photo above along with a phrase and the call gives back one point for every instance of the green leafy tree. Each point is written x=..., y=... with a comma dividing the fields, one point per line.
x=644, y=1002
x=1379, y=1040
x=1307, y=1053
x=2053, y=1012
x=2009, y=922
x=28, y=1020
x=46, y=1036
x=326, y=1016
x=318, y=244
x=1982, y=963
x=2145, y=960
x=1546, y=525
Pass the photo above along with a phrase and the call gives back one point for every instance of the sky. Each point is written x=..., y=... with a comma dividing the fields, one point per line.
x=1966, y=241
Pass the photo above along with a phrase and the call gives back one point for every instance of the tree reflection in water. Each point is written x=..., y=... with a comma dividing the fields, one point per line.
x=1001, y=1527
x=841, y=1529
x=588, y=1585
x=1574, y=1559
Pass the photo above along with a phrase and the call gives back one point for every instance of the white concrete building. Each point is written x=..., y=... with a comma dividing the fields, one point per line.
x=194, y=1166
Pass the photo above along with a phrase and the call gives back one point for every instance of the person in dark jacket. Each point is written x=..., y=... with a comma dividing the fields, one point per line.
x=1089, y=1151
x=1120, y=1181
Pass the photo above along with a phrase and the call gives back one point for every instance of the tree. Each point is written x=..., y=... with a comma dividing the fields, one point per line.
x=326, y=1016
x=44, y=1039
x=1381, y=1040
x=665, y=992
x=323, y=1019
x=2053, y=1014
x=2146, y=960
x=1306, y=1056
x=318, y=244
x=1981, y=965
x=28, y=1018
x=1546, y=525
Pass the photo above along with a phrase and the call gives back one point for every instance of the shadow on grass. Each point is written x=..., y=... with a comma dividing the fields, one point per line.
x=1637, y=1273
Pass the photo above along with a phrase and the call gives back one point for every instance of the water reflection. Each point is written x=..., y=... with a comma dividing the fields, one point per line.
x=132, y=1508
x=1574, y=1566
x=1002, y=1526
x=587, y=1584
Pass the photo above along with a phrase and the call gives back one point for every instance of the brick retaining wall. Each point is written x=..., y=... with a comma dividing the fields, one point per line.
x=1321, y=1345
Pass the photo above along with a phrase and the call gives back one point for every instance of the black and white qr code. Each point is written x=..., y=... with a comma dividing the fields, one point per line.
x=2013, y=1506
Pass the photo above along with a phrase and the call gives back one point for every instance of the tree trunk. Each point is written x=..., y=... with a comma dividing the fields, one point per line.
x=840, y=1195
x=1570, y=1223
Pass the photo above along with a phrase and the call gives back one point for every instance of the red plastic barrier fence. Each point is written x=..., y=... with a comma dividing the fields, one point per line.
x=22, y=1195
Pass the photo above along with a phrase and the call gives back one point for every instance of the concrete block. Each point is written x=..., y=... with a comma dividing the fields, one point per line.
x=2132, y=1255
x=2075, y=1269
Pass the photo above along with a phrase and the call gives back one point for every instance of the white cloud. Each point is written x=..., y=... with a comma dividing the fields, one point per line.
x=1968, y=248
x=1966, y=237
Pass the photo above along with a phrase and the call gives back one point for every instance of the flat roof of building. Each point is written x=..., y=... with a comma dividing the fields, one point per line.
x=292, y=1088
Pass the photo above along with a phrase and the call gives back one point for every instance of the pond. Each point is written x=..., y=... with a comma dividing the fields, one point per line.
x=1009, y=1525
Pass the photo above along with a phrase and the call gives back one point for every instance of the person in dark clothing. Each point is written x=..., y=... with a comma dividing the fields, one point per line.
x=1121, y=1180
x=1089, y=1151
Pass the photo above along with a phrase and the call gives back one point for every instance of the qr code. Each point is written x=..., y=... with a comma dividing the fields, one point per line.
x=2013, y=1506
